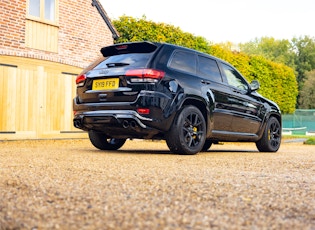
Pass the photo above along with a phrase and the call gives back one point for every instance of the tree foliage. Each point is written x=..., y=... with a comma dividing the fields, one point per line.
x=277, y=80
x=307, y=94
x=299, y=53
x=280, y=51
x=304, y=56
x=132, y=29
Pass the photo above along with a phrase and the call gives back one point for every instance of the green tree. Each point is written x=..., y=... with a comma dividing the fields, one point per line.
x=132, y=29
x=280, y=51
x=299, y=53
x=304, y=56
x=307, y=93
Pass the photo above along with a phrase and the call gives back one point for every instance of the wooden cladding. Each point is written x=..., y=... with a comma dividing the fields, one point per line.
x=36, y=99
x=41, y=36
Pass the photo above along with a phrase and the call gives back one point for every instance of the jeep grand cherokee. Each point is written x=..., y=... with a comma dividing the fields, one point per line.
x=149, y=90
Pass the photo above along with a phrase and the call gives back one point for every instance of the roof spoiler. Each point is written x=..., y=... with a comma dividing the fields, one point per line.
x=132, y=47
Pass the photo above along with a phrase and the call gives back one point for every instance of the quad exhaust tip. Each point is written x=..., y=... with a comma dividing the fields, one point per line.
x=126, y=124
x=77, y=124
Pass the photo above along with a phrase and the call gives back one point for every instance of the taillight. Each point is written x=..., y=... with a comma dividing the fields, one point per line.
x=145, y=75
x=80, y=80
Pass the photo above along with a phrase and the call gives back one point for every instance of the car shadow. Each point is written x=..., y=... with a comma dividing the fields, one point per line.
x=231, y=151
x=140, y=151
x=166, y=152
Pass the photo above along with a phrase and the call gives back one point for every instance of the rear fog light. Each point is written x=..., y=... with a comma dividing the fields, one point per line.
x=143, y=111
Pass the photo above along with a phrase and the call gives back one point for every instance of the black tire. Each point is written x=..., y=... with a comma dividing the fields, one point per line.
x=103, y=142
x=188, y=132
x=207, y=145
x=271, y=138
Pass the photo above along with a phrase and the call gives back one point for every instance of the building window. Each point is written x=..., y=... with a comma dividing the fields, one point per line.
x=34, y=8
x=50, y=10
x=41, y=28
x=43, y=10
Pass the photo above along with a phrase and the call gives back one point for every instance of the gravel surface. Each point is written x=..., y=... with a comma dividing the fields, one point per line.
x=68, y=184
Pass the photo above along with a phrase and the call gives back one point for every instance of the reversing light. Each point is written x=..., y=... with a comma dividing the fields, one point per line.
x=80, y=80
x=143, y=111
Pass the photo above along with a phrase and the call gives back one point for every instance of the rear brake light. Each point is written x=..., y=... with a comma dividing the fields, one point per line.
x=145, y=75
x=121, y=47
x=80, y=80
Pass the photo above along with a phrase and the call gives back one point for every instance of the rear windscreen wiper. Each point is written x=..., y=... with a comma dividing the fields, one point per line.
x=114, y=64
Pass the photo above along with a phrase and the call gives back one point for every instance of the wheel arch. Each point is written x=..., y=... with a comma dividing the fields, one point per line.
x=271, y=114
x=198, y=103
x=279, y=118
x=275, y=115
x=202, y=106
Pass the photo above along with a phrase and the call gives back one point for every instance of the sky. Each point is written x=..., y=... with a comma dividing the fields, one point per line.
x=236, y=21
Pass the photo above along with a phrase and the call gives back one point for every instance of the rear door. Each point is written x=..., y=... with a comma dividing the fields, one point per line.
x=208, y=70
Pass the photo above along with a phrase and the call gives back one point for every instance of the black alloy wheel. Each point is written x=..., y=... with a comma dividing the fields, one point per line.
x=188, y=132
x=271, y=139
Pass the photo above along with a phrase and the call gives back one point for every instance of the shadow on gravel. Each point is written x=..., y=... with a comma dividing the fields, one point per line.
x=136, y=151
x=165, y=152
x=126, y=151
x=232, y=151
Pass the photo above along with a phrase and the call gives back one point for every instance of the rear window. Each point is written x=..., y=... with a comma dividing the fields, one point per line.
x=135, y=54
x=131, y=60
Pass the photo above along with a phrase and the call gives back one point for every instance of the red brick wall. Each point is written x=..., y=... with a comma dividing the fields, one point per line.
x=12, y=23
x=82, y=32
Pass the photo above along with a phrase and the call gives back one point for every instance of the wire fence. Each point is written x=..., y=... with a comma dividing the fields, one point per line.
x=302, y=122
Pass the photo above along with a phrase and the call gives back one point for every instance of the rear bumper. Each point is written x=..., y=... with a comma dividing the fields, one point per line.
x=113, y=117
x=115, y=123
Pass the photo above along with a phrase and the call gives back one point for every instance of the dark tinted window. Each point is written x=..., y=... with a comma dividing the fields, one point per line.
x=130, y=59
x=184, y=61
x=209, y=68
x=234, y=78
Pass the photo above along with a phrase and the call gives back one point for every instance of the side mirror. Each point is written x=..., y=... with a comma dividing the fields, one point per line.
x=254, y=85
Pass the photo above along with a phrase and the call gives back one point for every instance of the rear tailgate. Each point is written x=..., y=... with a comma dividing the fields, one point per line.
x=118, y=77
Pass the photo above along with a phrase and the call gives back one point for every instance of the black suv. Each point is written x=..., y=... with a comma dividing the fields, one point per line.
x=149, y=90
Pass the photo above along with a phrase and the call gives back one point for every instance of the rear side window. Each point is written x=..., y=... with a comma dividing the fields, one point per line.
x=183, y=61
x=209, y=68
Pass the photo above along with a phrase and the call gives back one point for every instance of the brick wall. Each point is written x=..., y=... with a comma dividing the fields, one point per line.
x=82, y=32
x=12, y=24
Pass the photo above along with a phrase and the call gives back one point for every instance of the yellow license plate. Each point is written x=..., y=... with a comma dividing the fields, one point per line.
x=105, y=84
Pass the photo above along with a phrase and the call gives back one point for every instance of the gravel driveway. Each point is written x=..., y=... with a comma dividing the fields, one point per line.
x=68, y=184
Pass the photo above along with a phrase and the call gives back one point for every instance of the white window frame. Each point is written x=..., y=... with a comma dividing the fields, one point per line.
x=41, y=17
